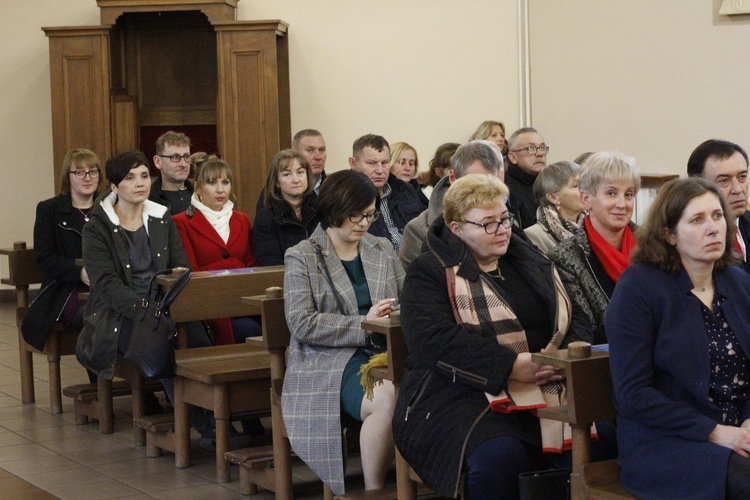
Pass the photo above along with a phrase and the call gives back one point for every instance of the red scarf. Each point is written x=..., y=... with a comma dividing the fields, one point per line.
x=613, y=261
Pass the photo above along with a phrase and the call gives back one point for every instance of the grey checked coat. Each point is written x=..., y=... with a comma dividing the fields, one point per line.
x=323, y=340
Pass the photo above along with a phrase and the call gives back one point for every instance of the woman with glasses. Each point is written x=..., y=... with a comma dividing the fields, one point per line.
x=474, y=308
x=57, y=244
x=288, y=212
x=591, y=262
x=560, y=211
x=334, y=280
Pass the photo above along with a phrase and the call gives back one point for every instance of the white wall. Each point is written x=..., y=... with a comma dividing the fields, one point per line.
x=651, y=78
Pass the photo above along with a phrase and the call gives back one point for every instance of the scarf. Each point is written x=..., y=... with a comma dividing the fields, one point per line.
x=219, y=220
x=478, y=309
x=613, y=261
x=561, y=228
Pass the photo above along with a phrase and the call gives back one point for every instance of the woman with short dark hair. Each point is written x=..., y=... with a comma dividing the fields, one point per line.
x=678, y=327
x=334, y=280
x=128, y=239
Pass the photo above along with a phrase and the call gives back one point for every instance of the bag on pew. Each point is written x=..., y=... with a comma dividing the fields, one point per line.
x=552, y=484
x=151, y=348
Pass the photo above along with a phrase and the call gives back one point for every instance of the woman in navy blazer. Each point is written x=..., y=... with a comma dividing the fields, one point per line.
x=679, y=332
x=215, y=237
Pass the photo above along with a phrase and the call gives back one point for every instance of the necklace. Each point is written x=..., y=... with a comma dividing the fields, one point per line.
x=495, y=273
x=86, y=213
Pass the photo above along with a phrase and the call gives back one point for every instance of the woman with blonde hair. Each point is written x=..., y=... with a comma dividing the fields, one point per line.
x=492, y=131
x=591, y=262
x=405, y=166
x=216, y=236
x=475, y=306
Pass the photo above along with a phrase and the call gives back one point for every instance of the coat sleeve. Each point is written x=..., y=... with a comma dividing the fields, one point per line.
x=437, y=342
x=266, y=244
x=54, y=264
x=100, y=255
x=177, y=255
x=311, y=310
x=581, y=328
x=182, y=224
x=249, y=258
x=634, y=320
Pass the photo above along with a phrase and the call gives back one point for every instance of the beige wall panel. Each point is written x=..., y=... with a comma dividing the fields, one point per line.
x=650, y=78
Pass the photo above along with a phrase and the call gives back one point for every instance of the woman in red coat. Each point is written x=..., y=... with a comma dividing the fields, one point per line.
x=217, y=237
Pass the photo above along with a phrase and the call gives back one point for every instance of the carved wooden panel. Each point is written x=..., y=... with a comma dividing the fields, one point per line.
x=253, y=103
x=215, y=10
x=124, y=123
x=79, y=78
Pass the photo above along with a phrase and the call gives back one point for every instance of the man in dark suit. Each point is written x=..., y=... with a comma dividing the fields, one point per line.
x=528, y=157
x=725, y=163
x=172, y=188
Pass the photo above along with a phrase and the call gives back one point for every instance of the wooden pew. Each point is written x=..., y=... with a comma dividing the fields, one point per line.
x=61, y=341
x=407, y=481
x=589, y=393
x=227, y=380
x=208, y=295
x=254, y=465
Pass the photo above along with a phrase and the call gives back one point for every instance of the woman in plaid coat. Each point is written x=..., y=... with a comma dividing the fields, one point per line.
x=334, y=280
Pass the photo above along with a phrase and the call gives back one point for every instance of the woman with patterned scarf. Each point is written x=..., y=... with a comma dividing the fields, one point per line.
x=560, y=212
x=475, y=306
x=591, y=262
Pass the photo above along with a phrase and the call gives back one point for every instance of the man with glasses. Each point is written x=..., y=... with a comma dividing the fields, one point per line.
x=527, y=153
x=725, y=164
x=172, y=188
x=398, y=202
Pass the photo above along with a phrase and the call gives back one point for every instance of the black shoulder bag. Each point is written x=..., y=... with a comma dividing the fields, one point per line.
x=151, y=348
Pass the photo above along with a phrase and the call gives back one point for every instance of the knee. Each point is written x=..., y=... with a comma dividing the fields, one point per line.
x=385, y=400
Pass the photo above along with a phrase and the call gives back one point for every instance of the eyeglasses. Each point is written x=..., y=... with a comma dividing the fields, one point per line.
x=81, y=174
x=371, y=217
x=494, y=226
x=175, y=158
x=533, y=149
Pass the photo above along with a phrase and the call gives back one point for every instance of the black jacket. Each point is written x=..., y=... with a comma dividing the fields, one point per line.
x=57, y=243
x=522, y=201
x=277, y=229
x=449, y=369
x=156, y=194
x=403, y=204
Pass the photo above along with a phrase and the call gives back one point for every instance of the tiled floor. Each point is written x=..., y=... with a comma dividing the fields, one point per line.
x=76, y=462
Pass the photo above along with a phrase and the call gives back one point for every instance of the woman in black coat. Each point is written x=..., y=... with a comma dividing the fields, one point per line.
x=475, y=306
x=288, y=213
x=57, y=244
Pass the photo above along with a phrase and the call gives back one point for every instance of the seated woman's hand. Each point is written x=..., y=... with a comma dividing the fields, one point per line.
x=524, y=370
x=381, y=309
x=735, y=438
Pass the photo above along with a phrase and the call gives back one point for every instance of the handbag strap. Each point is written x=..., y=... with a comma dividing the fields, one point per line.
x=173, y=291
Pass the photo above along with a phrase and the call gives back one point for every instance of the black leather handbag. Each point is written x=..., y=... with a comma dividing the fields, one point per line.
x=552, y=484
x=151, y=347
